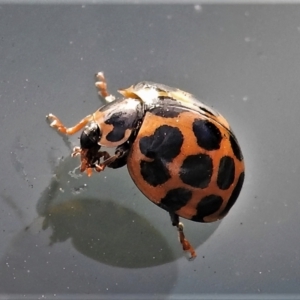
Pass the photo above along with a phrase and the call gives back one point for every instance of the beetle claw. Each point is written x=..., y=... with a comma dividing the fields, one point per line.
x=101, y=85
x=76, y=151
x=54, y=121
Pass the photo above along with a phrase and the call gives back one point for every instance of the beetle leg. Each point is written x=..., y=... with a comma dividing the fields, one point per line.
x=122, y=152
x=108, y=160
x=89, y=164
x=186, y=246
x=58, y=125
x=101, y=85
x=76, y=151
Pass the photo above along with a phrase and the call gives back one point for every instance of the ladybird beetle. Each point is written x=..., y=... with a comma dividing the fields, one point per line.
x=181, y=154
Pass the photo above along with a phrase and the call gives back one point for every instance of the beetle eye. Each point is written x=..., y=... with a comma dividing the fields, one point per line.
x=90, y=136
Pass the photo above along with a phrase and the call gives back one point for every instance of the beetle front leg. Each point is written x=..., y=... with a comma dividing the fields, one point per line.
x=116, y=161
x=108, y=160
x=186, y=246
x=58, y=125
x=122, y=152
x=101, y=85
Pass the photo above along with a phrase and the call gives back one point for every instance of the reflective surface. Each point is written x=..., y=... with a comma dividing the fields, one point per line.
x=64, y=234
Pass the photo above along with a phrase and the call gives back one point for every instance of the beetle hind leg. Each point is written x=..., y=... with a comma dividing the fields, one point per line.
x=101, y=85
x=186, y=246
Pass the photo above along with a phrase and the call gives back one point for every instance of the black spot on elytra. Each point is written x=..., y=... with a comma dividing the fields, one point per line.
x=175, y=199
x=234, y=195
x=154, y=172
x=226, y=172
x=196, y=170
x=207, y=206
x=163, y=146
x=208, y=135
x=169, y=112
x=235, y=147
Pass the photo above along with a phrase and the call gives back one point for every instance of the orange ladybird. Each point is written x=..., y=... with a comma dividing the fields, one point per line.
x=180, y=153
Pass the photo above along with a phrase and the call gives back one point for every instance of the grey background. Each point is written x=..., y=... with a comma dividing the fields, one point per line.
x=66, y=235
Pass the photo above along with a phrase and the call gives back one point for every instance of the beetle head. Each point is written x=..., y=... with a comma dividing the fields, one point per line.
x=90, y=136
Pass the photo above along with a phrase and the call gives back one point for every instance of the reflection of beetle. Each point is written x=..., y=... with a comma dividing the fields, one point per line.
x=180, y=153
